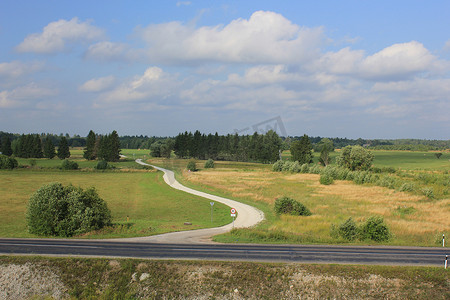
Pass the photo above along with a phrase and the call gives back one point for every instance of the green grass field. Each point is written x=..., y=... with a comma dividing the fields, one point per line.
x=151, y=206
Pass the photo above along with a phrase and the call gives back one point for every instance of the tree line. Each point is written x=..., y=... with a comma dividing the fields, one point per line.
x=263, y=148
x=102, y=147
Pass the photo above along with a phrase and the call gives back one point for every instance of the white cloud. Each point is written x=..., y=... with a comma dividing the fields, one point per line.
x=16, y=69
x=109, y=51
x=21, y=96
x=153, y=86
x=266, y=37
x=398, y=61
x=57, y=35
x=183, y=3
x=98, y=84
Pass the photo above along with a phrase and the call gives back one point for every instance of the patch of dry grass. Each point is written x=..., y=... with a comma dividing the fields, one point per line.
x=331, y=204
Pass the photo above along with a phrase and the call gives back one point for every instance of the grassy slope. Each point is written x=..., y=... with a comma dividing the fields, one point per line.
x=152, y=206
x=113, y=279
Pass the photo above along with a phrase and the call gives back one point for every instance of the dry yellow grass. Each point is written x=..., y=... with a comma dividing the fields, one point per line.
x=332, y=204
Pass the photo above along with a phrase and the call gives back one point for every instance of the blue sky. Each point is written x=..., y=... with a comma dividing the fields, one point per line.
x=370, y=69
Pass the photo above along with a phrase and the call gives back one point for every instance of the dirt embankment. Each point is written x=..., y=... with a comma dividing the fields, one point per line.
x=61, y=278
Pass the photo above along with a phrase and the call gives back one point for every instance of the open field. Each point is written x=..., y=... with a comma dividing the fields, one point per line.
x=414, y=220
x=154, y=279
x=143, y=196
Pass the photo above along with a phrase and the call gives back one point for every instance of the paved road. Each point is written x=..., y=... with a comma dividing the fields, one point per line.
x=264, y=253
x=247, y=216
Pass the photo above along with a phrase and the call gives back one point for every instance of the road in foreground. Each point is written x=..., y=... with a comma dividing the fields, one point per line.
x=263, y=253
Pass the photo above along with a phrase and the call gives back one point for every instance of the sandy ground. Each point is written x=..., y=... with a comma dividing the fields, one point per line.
x=247, y=216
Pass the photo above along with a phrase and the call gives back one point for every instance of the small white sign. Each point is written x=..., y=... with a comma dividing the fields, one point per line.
x=233, y=215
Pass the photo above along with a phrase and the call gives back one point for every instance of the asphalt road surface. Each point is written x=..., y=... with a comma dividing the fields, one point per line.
x=262, y=253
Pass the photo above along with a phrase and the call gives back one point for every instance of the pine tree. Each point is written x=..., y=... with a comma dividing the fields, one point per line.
x=6, y=146
x=301, y=150
x=89, y=151
x=49, y=148
x=63, y=149
x=114, y=146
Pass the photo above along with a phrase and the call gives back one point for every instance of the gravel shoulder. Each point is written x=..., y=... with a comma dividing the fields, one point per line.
x=247, y=216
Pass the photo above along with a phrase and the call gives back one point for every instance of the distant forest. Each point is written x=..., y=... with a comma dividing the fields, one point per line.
x=145, y=142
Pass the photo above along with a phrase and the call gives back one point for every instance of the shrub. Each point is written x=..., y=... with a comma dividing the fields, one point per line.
x=304, y=168
x=295, y=167
x=315, y=169
x=278, y=166
x=428, y=192
x=209, y=164
x=69, y=165
x=375, y=229
x=7, y=162
x=32, y=162
x=348, y=230
x=55, y=210
x=286, y=205
x=287, y=166
x=102, y=165
x=407, y=187
x=355, y=158
x=387, y=181
x=326, y=179
x=191, y=166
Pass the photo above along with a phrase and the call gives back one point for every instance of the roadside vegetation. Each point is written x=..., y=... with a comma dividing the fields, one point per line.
x=90, y=278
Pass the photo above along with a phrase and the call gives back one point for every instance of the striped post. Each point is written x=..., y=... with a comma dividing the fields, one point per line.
x=445, y=264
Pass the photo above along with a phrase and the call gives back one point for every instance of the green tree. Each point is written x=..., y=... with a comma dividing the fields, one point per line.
x=56, y=210
x=89, y=151
x=166, y=148
x=49, y=148
x=355, y=158
x=301, y=150
x=7, y=162
x=155, y=149
x=6, y=146
x=63, y=149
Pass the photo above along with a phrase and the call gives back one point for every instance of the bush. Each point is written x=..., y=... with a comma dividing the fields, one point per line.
x=102, y=165
x=191, y=166
x=428, y=192
x=355, y=158
x=348, y=230
x=315, y=169
x=7, y=162
x=304, y=168
x=55, y=210
x=295, y=167
x=375, y=229
x=286, y=205
x=209, y=164
x=326, y=179
x=69, y=165
x=278, y=166
x=287, y=166
x=407, y=187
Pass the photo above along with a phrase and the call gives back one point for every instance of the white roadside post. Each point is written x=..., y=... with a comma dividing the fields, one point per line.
x=233, y=214
x=445, y=264
x=212, y=204
x=443, y=240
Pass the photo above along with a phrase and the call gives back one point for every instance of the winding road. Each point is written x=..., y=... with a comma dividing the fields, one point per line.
x=247, y=216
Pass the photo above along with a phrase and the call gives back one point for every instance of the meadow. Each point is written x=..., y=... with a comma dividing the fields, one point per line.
x=140, y=201
x=414, y=219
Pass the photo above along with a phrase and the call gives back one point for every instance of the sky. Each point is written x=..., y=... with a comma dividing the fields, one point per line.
x=355, y=69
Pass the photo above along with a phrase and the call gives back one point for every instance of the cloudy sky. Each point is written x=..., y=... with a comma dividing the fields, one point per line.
x=370, y=69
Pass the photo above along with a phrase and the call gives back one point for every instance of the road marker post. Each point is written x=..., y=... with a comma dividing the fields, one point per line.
x=445, y=264
x=443, y=240
x=212, y=204
x=233, y=214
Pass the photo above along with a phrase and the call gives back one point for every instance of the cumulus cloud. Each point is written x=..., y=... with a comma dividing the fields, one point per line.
x=20, y=96
x=395, y=62
x=98, y=84
x=109, y=51
x=153, y=86
x=266, y=37
x=183, y=3
x=16, y=69
x=56, y=36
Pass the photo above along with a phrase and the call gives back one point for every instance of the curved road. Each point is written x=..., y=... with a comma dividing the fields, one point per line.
x=247, y=216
